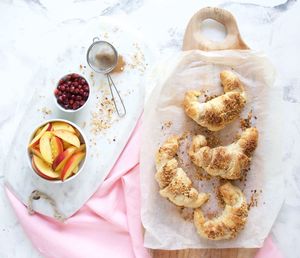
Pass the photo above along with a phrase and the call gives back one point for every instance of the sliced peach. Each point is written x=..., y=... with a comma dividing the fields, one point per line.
x=71, y=164
x=38, y=131
x=75, y=170
x=62, y=158
x=77, y=133
x=45, y=147
x=36, y=151
x=43, y=169
x=56, y=146
x=67, y=137
x=36, y=138
x=81, y=148
x=63, y=126
x=66, y=145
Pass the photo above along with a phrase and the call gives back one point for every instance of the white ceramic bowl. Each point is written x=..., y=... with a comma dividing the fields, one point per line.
x=71, y=110
x=82, y=140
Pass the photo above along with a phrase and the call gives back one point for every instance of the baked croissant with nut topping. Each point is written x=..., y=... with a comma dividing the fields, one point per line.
x=173, y=181
x=230, y=222
x=216, y=113
x=229, y=161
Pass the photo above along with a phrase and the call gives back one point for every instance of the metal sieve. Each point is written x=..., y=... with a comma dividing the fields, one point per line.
x=102, y=57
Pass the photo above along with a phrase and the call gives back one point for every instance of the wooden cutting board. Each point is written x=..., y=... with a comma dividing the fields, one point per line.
x=193, y=39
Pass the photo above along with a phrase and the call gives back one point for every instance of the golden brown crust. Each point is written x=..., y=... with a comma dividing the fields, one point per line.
x=216, y=113
x=229, y=161
x=230, y=81
x=173, y=181
x=230, y=222
x=168, y=171
x=168, y=150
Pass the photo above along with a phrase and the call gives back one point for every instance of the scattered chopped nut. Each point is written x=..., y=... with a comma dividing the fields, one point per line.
x=46, y=111
x=246, y=122
x=103, y=118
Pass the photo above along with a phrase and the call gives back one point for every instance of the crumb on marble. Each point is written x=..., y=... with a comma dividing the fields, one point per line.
x=103, y=118
x=46, y=111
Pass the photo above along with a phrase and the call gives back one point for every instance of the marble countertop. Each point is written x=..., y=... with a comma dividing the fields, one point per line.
x=270, y=26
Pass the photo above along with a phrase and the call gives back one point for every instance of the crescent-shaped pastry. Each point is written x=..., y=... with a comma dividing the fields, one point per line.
x=216, y=113
x=173, y=181
x=229, y=161
x=230, y=222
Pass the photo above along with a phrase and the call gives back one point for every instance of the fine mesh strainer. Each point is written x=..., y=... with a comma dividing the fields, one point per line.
x=102, y=57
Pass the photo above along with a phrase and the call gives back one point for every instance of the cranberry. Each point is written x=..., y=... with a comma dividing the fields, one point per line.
x=75, y=75
x=72, y=91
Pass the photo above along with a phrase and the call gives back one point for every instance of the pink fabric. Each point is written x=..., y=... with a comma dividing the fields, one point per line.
x=108, y=225
x=269, y=250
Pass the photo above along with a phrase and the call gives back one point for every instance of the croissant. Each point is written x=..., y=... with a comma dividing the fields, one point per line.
x=230, y=222
x=229, y=161
x=216, y=113
x=173, y=181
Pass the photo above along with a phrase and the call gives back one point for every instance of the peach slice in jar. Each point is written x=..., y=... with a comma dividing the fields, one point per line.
x=68, y=137
x=81, y=148
x=39, y=134
x=63, y=126
x=66, y=145
x=43, y=169
x=56, y=146
x=38, y=131
x=36, y=151
x=62, y=158
x=71, y=164
x=45, y=147
x=75, y=170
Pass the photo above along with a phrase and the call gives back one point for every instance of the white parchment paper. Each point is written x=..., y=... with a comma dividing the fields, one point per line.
x=169, y=227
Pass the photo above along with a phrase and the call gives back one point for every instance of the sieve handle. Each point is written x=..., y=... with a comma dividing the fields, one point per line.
x=96, y=39
x=116, y=97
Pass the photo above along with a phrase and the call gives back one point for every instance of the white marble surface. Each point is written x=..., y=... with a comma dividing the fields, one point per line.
x=104, y=145
x=271, y=26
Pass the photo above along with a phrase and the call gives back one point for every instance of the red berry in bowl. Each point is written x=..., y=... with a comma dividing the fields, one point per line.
x=72, y=91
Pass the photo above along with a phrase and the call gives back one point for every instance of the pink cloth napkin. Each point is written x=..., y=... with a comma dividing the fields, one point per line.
x=108, y=225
